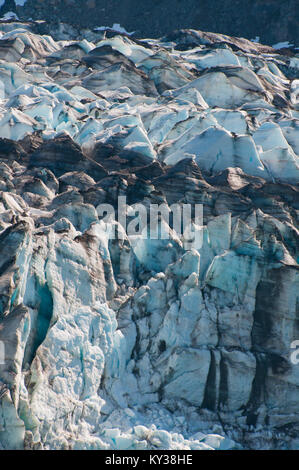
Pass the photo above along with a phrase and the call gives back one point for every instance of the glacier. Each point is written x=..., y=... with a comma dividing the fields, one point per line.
x=133, y=343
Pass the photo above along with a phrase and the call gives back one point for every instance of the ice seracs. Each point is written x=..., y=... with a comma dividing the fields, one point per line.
x=239, y=88
x=132, y=342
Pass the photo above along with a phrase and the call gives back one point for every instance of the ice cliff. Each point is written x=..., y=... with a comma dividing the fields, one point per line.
x=115, y=344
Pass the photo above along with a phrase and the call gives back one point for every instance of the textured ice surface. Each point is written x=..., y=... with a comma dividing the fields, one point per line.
x=137, y=343
x=238, y=91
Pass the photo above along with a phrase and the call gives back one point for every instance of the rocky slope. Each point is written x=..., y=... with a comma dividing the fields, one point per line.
x=271, y=20
x=134, y=343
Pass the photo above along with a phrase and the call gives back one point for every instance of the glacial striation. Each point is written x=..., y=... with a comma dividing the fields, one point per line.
x=134, y=342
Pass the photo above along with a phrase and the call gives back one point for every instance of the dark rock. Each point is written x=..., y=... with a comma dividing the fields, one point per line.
x=62, y=155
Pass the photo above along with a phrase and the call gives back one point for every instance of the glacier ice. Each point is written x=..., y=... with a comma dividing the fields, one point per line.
x=132, y=342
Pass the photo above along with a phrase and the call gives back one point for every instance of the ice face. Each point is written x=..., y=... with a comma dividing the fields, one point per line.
x=229, y=80
x=135, y=342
